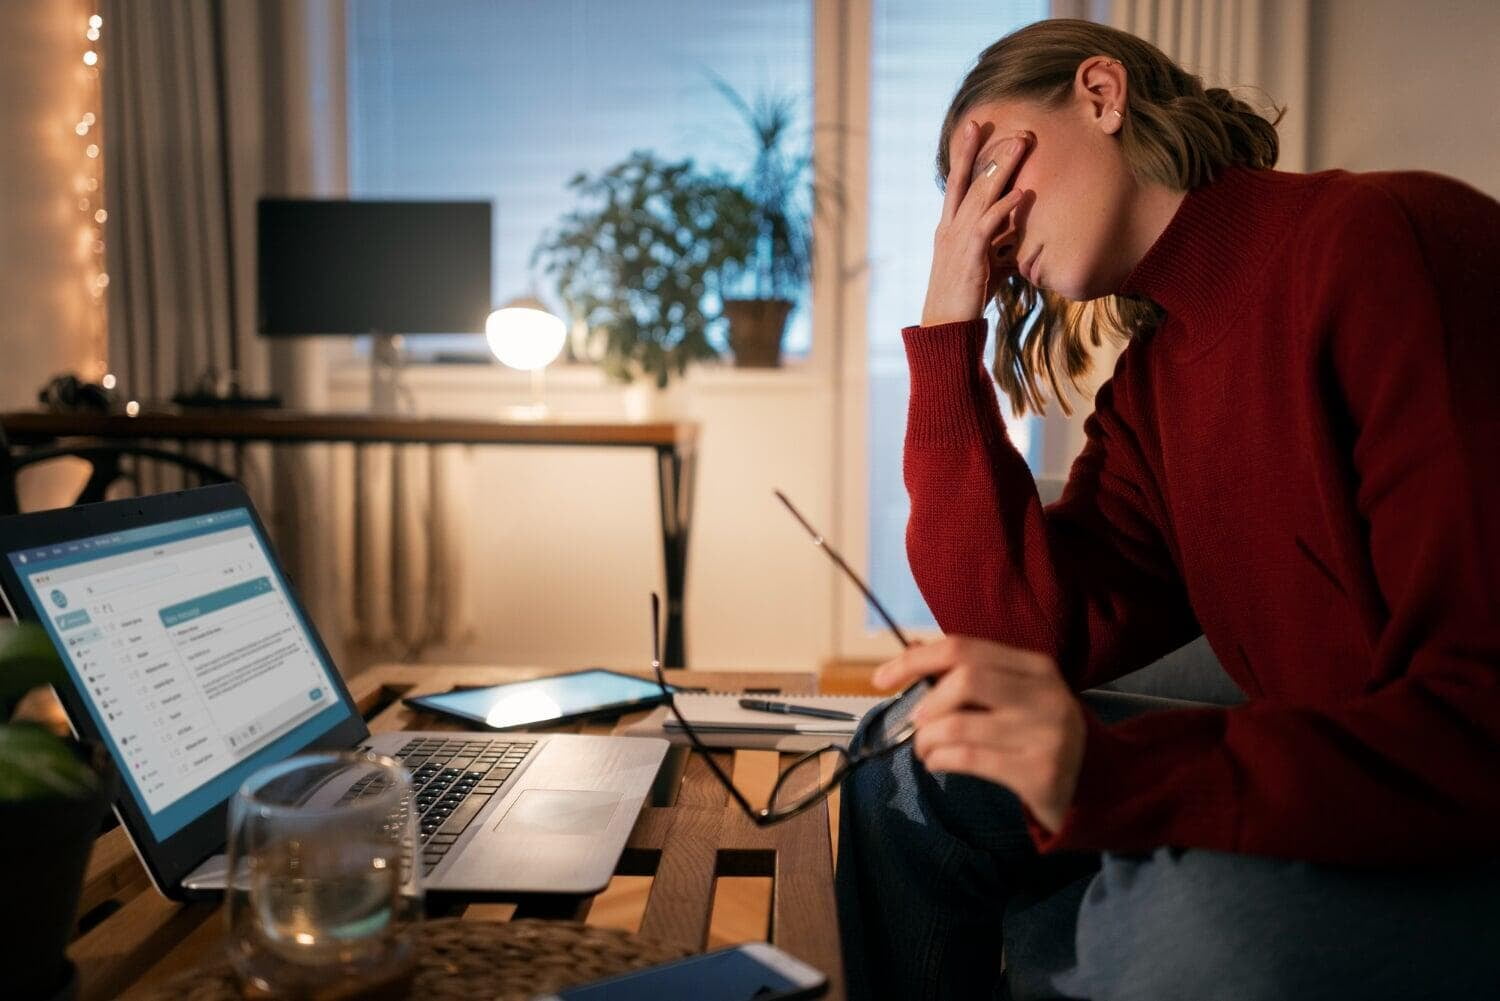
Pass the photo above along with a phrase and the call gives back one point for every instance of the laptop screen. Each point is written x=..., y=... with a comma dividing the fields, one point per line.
x=186, y=649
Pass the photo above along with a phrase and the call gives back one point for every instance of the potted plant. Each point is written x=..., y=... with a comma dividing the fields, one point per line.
x=52, y=801
x=640, y=262
x=783, y=200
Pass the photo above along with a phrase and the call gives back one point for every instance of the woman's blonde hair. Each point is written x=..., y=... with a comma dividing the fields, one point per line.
x=1175, y=133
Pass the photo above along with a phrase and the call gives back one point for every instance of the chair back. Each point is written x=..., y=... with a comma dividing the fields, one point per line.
x=109, y=462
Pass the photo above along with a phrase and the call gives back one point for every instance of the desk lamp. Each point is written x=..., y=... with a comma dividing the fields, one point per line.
x=524, y=335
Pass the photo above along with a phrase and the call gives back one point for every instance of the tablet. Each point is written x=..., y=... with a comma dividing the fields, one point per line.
x=544, y=701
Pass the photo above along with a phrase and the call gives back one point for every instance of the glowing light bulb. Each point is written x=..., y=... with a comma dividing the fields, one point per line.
x=526, y=337
x=90, y=57
x=92, y=34
x=108, y=382
x=96, y=22
x=132, y=408
x=88, y=118
x=92, y=151
x=101, y=215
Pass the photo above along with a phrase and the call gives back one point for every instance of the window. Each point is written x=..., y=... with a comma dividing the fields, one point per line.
x=921, y=51
x=509, y=100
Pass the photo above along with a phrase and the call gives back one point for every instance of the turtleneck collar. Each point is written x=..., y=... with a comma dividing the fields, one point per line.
x=1200, y=267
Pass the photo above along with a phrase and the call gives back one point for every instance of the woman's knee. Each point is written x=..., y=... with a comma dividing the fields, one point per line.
x=1166, y=927
x=1191, y=924
x=1170, y=926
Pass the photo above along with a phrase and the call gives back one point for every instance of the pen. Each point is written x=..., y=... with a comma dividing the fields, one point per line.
x=761, y=705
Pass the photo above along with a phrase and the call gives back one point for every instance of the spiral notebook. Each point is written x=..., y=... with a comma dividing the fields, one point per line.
x=722, y=722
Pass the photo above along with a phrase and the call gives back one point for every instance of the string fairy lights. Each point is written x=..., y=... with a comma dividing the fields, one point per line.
x=88, y=186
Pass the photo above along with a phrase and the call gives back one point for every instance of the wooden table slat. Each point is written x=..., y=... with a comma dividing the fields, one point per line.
x=113, y=869
x=802, y=900
x=201, y=946
x=116, y=953
x=682, y=893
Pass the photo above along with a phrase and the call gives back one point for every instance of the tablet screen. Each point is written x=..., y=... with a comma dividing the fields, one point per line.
x=543, y=700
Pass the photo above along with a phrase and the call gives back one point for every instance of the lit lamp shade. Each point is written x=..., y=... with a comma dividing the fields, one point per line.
x=524, y=335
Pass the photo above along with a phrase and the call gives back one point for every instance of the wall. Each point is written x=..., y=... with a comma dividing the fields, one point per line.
x=565, y=542
x=46, y=318
x=1399, y=86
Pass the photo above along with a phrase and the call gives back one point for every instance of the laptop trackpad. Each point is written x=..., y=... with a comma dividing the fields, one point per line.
x=560, y=811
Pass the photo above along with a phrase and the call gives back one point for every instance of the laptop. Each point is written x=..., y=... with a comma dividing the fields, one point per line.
x=194, y=664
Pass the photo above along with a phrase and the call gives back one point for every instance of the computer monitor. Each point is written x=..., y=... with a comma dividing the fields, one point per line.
x=373, y=267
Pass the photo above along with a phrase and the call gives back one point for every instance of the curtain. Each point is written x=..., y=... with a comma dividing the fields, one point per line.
x=173, y=296
x=212, y=104
x=407, y=590
x=1245, y=45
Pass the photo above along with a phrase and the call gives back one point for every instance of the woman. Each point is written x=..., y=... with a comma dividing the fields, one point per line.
x=1296, y=457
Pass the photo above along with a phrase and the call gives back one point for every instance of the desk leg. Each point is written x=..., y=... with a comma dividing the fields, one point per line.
x=676, y=469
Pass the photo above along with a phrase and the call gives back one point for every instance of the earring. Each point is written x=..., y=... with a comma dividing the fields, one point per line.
x=1117, y=112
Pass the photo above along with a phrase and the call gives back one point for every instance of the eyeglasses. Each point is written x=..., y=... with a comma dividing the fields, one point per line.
x=811, y=777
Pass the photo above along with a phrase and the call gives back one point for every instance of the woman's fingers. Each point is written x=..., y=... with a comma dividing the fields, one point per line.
x=993, y=176
x=962, y=276
x=920, y=660
x=960, y=168
x=1000, y=219
x=1005, y=729
x=924, y=659
x=987, y=180
x=984, y=686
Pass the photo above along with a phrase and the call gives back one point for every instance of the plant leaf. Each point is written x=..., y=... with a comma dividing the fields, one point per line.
x=27, y=660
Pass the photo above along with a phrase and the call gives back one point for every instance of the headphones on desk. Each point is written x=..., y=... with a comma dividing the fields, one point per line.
x=68, y=394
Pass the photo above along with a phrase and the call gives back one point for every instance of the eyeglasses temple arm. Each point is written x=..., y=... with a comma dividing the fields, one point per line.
x=846, y=568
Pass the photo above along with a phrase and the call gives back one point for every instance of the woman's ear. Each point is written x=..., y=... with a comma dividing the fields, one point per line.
x=1101, y=85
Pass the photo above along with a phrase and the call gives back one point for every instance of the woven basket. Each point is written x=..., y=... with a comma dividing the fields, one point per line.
x=480, y=961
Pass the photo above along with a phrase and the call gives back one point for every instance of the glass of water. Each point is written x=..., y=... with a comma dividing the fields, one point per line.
x=323, y=883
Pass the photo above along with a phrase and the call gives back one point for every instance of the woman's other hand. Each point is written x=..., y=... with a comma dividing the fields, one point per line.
x=996, y=713
x=974, y=246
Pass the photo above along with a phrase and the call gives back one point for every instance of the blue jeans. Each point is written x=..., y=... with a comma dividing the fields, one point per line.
x=937, y=878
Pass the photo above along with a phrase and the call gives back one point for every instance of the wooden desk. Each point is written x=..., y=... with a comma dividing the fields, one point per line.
x=692, y=836
x=674, y=442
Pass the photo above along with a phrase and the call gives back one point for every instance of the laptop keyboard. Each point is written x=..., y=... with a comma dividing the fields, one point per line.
x=452, y=780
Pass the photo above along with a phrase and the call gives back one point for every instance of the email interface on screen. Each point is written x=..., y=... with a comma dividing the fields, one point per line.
x=189, y=653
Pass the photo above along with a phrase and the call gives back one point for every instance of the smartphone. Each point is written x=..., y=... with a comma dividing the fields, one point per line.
x=755, y=971
x=544, y=701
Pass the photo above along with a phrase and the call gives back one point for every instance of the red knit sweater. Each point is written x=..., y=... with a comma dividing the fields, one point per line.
x=1302, y=464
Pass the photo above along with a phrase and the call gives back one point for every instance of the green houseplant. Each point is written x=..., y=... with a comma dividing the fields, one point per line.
x=52, y=801
x=639, y=261
x=783, y=199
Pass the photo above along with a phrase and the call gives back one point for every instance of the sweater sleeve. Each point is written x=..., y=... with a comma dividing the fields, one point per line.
x=1089, y=580
x=1404, y=771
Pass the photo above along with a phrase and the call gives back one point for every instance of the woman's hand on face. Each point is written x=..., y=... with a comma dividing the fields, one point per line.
x=974, y=246
x=996, y=713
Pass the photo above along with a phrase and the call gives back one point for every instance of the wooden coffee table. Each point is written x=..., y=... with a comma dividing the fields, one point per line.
x=134, y=939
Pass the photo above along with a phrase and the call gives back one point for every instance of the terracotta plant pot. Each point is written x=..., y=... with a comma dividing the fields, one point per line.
x=755, y=329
